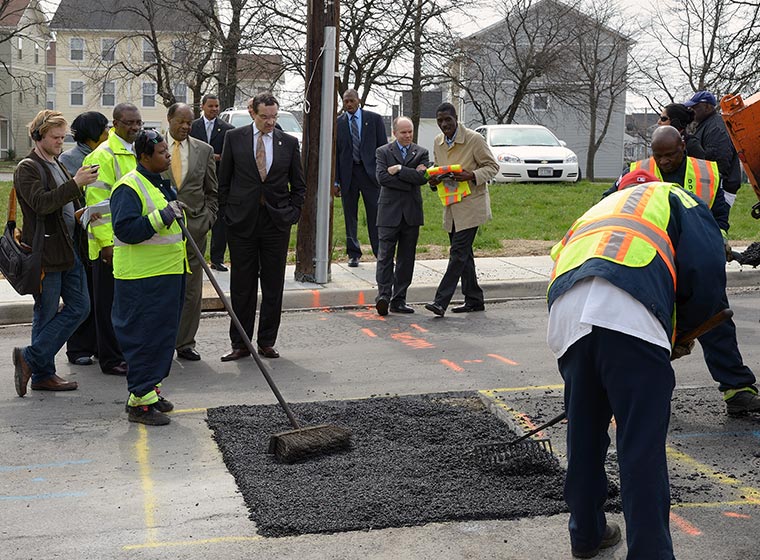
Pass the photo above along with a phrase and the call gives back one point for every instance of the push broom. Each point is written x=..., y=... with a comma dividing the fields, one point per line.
x=503, y=452
x=300, y=442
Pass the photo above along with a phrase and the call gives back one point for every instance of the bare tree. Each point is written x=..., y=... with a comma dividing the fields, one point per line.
x=692, y=45
x=599, y=63
x=497, y=69
x=20, y=20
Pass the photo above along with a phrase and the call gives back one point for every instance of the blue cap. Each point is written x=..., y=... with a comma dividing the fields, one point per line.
x=701, y=97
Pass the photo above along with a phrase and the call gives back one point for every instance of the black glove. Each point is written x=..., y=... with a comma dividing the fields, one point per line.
x=171, y=212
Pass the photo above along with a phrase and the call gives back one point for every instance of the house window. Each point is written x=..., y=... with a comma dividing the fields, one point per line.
x=77, y=93
x=180, y=93
x=20, y=48
x=20, y=96
x=540, y=102
x=77, y=48
x=108, y=50
x=36, y=53
x=149, y=53
x=149, y=94
x=179, y=52
x=108, y=97
x=50, y=80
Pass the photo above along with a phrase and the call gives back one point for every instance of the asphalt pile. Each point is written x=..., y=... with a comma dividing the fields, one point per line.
x=411, y=463
x=750, y=255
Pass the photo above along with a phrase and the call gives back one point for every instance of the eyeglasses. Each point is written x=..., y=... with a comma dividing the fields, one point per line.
x=130, y=123
x=664, y=118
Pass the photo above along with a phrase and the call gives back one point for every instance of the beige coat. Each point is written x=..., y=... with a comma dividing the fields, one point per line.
x=473, y=154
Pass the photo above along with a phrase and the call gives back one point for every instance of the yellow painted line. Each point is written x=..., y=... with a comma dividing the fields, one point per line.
x=494, y=392
x=752, y=495
x=142, y=450
x=194, y=542
x=188, y=411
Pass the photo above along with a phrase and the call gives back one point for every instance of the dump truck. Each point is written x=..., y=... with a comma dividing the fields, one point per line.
x=742, y=118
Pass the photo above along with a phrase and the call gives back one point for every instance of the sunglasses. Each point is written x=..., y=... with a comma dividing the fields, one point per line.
x=152, y=136
x=664, y=118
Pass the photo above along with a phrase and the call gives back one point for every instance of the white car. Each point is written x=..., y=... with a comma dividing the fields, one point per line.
x=529, y=153
x=286, y=120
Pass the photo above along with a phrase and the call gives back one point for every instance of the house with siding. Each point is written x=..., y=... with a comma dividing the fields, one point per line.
x=546, y=100
x=24, y=39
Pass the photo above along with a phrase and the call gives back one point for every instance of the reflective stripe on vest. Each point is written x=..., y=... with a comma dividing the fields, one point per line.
x=701, y=177
x=149, y=206
x=628, y=228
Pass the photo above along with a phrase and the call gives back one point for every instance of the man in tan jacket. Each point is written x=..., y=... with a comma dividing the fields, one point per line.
x=459, y=145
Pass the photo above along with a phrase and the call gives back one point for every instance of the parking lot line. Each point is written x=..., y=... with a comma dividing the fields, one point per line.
x=194, y=542
x=142, y=453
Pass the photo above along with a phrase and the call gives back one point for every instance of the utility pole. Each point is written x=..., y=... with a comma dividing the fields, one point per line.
x=320, y=14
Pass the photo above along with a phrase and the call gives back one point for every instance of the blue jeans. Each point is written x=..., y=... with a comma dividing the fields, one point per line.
x=51, y=328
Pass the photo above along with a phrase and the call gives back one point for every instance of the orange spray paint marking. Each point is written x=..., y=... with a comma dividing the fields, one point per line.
x=452, y=365
x=684, y=525
x=369, y=333
x=360, y=301
x=737, y=515
x=412, y=341
x=417, y=327
x=473, y=361
x=315, y=298
x=503, y=359
x=368, y=315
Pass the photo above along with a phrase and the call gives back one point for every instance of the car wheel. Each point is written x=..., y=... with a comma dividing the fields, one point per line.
x=580, y=175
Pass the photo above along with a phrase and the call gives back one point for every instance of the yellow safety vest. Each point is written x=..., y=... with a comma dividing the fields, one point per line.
x=450, y=192
x=162, y=254
x=702, y=177
x=115, y=161
x=628, y=228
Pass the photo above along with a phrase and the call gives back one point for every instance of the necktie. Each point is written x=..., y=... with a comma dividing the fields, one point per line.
x=177, y=165
x=261, y=157
x=209, y=130
x=355, y=139
x=403, y=153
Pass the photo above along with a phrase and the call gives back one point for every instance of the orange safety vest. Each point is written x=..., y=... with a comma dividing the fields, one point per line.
x=701, y=179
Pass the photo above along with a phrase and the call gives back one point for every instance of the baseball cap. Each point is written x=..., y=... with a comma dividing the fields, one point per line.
x=637, y=177
x=701, y=97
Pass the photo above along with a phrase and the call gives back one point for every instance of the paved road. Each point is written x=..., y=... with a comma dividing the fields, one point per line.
x=78, y=481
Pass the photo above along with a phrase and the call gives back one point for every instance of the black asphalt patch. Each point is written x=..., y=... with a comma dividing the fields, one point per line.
x=411, y=464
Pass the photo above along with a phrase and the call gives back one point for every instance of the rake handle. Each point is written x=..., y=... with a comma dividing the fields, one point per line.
x=711, y=323
x=238, y=325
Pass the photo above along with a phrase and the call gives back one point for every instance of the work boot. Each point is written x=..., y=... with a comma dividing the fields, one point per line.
x=610, y=538
x=148, y=414
x=162, y=405
x=742, y=401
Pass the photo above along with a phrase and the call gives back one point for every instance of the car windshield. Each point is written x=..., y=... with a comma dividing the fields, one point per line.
x=287, y=121
x=523, y=137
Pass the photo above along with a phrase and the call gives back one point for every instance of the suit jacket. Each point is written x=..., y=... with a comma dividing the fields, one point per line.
x=241, y=187
x=400, y=193
x=372, y=137
x=473, y=154
x=198, y=130
x=199, y=190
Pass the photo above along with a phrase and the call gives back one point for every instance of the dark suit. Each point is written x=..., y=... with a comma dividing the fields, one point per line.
x=359, y=177
x=399, y=217
x=199, y=192
x=258, y=216
x=218, y=231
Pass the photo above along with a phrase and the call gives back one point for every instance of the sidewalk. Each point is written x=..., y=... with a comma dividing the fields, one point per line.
x=500, y=277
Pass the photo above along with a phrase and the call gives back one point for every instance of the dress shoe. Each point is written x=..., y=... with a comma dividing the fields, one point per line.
x=219, y=267
x=268, y=352
x=382, y=305
x=469, y=308
x=610, y=538
x=236, y=354
x=82, y=361
x=120, y=369
x=401, y=308
x=435, y=308
x=353, y=262
x=189, y=354
x=22, y=372
x=149, y=415
x=54, y=383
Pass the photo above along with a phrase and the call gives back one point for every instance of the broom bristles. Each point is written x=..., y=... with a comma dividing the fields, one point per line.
x=293, y=445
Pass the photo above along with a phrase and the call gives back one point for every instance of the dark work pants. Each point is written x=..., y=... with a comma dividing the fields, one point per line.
x=258, y=257
x=146, y=315
x=218, y=241
x=84, y=343
x=461, y=265
x=722, y=355
x=609, y=373
x=109, y=352
x=401, y=240
x=360, y=183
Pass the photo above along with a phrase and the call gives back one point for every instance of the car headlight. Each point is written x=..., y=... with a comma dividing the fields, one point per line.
x=508, y=158
x=571, y=159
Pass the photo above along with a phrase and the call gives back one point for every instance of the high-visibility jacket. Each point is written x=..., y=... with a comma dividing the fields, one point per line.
x=162, y=254
x=702, y=177
x=115, y=161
